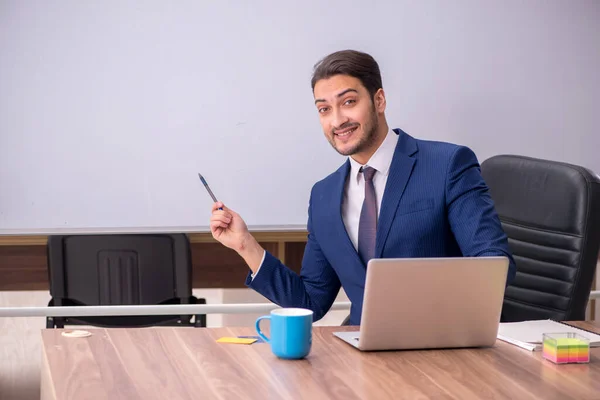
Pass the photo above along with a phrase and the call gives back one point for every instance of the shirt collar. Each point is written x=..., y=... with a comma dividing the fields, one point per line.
x=381, y=160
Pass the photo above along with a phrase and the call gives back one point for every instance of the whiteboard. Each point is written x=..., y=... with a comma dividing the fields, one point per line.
x=109, y=109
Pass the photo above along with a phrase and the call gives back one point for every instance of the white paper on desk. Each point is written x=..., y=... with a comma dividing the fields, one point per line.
x=529, y=334
x=524, y=345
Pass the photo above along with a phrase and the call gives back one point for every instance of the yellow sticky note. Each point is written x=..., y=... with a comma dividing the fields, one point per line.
x=236, y=340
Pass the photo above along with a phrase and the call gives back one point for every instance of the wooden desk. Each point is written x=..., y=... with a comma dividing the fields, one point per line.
x=187, y=363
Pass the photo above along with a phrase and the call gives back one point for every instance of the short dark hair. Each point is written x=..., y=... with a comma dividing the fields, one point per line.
x=359, y=65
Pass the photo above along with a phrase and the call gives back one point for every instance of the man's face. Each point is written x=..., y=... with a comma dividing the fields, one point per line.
x=347, y=113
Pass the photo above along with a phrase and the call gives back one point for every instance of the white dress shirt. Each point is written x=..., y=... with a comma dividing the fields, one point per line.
x=354, y=192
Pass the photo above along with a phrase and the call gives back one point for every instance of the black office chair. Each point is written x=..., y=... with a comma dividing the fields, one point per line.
x=550, y=212
x=131, y=269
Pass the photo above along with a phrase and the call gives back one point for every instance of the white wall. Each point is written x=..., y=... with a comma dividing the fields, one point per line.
x=109, y=109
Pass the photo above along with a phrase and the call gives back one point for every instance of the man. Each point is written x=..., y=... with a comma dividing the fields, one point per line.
x=395, y=197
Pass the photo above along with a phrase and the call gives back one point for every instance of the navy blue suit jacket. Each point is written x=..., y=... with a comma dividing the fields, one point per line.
x=435, y=204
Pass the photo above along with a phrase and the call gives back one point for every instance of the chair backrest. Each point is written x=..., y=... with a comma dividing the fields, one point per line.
x=120, y=269
x=550, y=212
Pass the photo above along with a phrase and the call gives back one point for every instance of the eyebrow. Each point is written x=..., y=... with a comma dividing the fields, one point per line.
x=338, y=95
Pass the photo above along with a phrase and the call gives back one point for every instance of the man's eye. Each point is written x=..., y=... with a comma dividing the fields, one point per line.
x=350, y=101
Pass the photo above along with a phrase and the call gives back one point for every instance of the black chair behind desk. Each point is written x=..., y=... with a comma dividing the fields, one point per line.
x=550, y=212
x=130, y=269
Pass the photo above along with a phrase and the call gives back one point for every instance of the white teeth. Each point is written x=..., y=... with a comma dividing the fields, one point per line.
x=347, y=133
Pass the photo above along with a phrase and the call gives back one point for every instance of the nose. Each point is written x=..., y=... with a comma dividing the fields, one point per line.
x=339, y=118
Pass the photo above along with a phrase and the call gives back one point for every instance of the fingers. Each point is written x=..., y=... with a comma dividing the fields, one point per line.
x=220, y=219
x=219, y=208
x=221, y=216
x=224, y=219
x=217, y=225
x=218, y=205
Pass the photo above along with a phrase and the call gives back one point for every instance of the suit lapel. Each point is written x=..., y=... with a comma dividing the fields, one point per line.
x=400, y=171
x=336, y=211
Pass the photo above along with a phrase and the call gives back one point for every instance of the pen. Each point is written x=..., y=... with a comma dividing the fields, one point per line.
x=208, y=189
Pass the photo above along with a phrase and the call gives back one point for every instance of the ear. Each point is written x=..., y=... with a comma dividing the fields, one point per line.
x=379, y=101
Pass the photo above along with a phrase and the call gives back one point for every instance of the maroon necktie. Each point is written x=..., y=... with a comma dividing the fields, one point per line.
x=367, y=226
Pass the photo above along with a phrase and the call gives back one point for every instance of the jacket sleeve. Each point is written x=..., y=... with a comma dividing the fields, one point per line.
x=315, y=288
x=471, y=213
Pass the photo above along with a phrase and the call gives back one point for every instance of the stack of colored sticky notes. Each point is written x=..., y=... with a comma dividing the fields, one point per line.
x=563, y=348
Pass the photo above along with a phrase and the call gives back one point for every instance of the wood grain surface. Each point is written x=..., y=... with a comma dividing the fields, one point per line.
x=188, y=363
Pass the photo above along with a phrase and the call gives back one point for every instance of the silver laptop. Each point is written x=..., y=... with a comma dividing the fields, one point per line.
x=425, y=303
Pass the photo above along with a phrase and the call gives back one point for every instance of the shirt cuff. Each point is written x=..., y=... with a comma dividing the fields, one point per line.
x=261, y=263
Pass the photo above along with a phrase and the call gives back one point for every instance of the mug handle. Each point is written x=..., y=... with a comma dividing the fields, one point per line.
x=263, y=337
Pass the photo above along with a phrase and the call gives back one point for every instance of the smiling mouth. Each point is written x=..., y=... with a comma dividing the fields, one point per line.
x=345, y=132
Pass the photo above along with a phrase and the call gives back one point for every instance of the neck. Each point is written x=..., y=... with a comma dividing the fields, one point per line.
x=366, y=155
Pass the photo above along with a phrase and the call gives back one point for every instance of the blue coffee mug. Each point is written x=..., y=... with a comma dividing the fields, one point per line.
x=291, y=332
